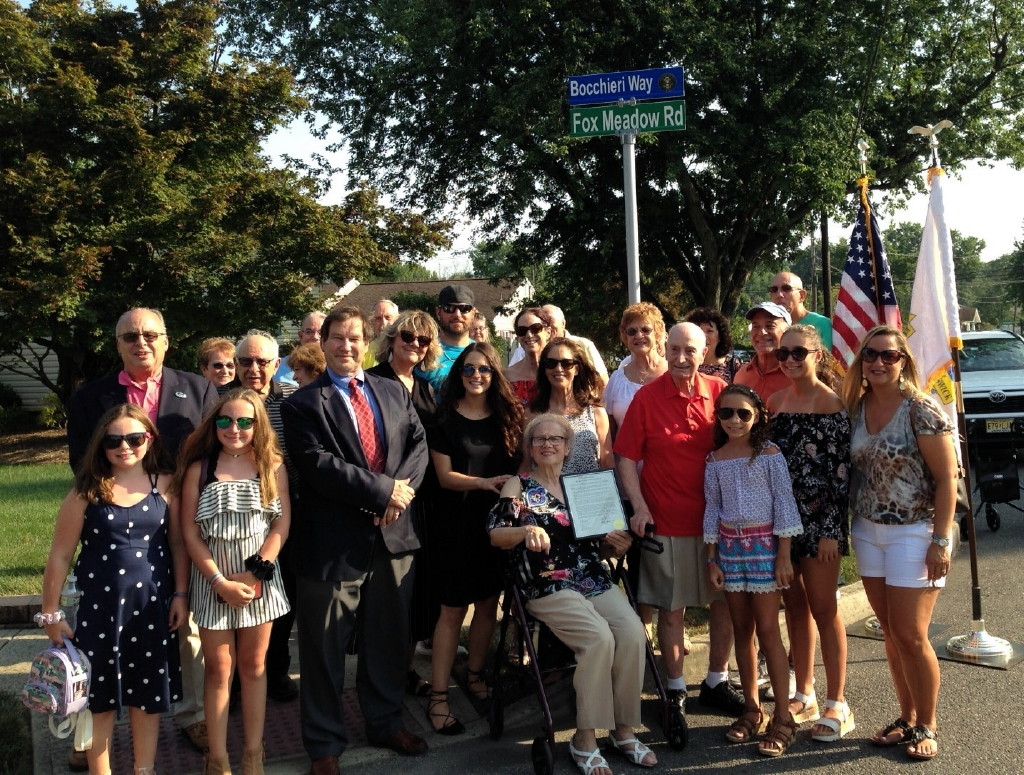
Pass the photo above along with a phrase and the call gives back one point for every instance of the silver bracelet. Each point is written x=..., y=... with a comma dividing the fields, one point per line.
x=44, y=619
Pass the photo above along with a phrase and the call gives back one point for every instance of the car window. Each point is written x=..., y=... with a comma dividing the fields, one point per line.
x=992, y=355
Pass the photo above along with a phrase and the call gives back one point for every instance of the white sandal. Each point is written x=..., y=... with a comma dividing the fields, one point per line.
x=809, y=711
x=839, y=726
x=633, y=750
x=593, y=761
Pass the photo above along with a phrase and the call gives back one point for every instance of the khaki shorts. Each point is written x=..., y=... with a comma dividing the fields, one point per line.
x=676, y=578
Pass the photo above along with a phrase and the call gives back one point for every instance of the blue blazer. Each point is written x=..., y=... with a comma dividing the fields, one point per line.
x=332, y=534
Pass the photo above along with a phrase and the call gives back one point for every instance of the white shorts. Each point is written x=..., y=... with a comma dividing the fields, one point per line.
x=895, y=553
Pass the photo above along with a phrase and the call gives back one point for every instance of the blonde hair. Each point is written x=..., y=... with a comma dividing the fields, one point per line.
x=853, y=388
x=416, y=321
x=647, y=312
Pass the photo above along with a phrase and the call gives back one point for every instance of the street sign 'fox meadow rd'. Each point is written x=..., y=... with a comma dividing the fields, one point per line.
x=614, y=119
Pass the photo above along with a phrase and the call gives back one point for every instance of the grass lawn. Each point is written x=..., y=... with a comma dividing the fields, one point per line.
x=29, y=498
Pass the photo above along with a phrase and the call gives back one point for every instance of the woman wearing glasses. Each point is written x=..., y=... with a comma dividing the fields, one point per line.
x=567, y=586
x=217, y=361
x=902, y=495
x=567, y=385
x=642, y=331
x=235, y=513
x=133, y=573
x=533, y=333
x=811, y=426
x=474, y=447
x=409, y=343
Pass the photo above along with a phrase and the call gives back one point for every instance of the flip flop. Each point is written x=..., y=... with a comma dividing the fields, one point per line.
x=920, y=734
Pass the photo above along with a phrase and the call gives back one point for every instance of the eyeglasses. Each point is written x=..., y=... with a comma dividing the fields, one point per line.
x=782, y=289
x=310, y=331
x=889, y=357
x=421, y=341
x=540, y=441
x=224, y=422
x=261, y=362
x=230, y=366
x=469, y=371
x=534, y=329
x=451, y=309
x=798, y=353
x=135, y=440
x=726, y=413
x=645, y=330
x=554, y=363
x=131, y=337
x=767, y=328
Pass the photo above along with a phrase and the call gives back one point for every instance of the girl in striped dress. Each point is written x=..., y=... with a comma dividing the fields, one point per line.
x=235, y=516
x=750, y=519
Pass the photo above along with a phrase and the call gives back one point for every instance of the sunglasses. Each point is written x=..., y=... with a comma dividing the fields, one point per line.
x=224, y=422
x=534, y=329
x=645, y=330
x=135, y=440
x=222, y=366
x=798, y=353
x=421, y=341
x=451, y=309
x=781, y=289
x=554, y=363
x=469, y=371
x=261, y=362
x=889, y=357
x=726, y=413
x=131, y=337
x=554, y=441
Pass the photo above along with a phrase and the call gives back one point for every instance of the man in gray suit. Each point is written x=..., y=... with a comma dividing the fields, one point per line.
x=360, y=452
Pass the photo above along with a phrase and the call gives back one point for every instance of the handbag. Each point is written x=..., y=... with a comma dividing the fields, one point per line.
x=58, y=686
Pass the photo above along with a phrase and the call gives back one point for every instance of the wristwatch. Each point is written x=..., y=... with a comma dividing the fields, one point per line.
x=938, y=540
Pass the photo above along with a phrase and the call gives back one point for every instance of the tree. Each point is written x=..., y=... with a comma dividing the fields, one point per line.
x=465, y=103
x=131, y=175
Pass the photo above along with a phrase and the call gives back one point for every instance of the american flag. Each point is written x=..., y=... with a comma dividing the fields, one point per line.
x=866, y=296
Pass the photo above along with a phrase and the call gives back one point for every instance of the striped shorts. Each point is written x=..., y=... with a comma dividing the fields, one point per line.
x=747, y=557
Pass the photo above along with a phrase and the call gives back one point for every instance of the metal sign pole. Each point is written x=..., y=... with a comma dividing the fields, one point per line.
x=629, y=195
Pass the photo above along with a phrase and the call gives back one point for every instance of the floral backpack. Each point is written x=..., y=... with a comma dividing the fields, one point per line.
x=58, y=686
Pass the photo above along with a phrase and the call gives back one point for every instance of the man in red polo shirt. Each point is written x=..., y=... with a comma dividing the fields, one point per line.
x=668, y=428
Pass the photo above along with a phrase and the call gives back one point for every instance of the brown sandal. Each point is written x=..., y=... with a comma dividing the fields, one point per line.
x=778, y=738
x=752, y=723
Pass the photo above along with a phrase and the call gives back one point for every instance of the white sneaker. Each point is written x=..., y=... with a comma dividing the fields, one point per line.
x=425, y=649
x=769, y=692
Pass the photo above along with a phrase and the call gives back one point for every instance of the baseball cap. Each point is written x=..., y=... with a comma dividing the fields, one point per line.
x=773, y=309
x=456, y=294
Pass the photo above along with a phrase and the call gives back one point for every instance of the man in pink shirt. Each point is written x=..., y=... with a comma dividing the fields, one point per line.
x=763, y=374
x=668, y=427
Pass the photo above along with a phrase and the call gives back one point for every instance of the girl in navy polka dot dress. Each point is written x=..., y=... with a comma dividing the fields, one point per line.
x=133, y=573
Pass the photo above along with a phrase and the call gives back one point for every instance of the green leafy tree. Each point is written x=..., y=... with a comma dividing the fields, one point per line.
x=132, y=175
x=465, y=103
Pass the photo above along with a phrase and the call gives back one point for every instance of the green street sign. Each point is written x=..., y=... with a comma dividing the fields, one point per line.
x=664, y=116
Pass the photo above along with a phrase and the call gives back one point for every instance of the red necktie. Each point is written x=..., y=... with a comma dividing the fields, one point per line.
x=369, y=436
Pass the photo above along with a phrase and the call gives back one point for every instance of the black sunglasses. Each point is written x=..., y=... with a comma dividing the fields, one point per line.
x=889, y=357
x=798, y=353
x=421, y=341
x=726, y=413
x=554, y=363
x=534, y=329
x=135, y=440
x=469, y=370
x=451, y=309
x=782, y=288
x=131, y=337
x=223, y=422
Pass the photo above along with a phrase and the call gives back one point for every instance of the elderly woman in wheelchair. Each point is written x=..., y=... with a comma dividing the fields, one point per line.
x=566, y=585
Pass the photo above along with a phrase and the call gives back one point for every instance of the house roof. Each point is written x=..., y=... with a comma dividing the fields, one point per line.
x=490, y=299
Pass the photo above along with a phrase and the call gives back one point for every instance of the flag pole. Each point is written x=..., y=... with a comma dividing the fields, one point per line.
x=978, y=646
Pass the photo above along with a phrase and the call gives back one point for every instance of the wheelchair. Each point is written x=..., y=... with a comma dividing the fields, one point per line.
x=536, y=655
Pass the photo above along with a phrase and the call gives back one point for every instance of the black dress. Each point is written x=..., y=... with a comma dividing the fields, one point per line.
x=467, y=568
x=124, y=572
x=425, y=607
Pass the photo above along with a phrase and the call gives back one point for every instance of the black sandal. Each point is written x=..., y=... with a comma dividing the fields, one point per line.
x=476, y=677
x=451, y=725
x=415, y=685
x=882, y=738
x=919, y=734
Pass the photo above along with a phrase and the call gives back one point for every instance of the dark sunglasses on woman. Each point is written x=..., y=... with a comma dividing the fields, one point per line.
x=726, y=413
x=224, y=422
x=469, y=370
x=409, y=337
x=135, y=440
x=798, y=353
x=554, y=363
x=534, y=329
x=889, y=357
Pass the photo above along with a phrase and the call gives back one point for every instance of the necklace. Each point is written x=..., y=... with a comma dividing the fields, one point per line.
x=240, y=454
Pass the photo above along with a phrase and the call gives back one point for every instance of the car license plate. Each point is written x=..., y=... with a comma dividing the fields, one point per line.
x=999, y=426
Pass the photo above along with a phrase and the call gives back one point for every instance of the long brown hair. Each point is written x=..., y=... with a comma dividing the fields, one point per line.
x=500, y=398
x=584, y=381
x=203, y=443
x=94, y=478
x=760, y=431
x=826, y=368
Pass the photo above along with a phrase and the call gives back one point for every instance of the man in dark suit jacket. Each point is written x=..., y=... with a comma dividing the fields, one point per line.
x=353, y=540
x=178, y=400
